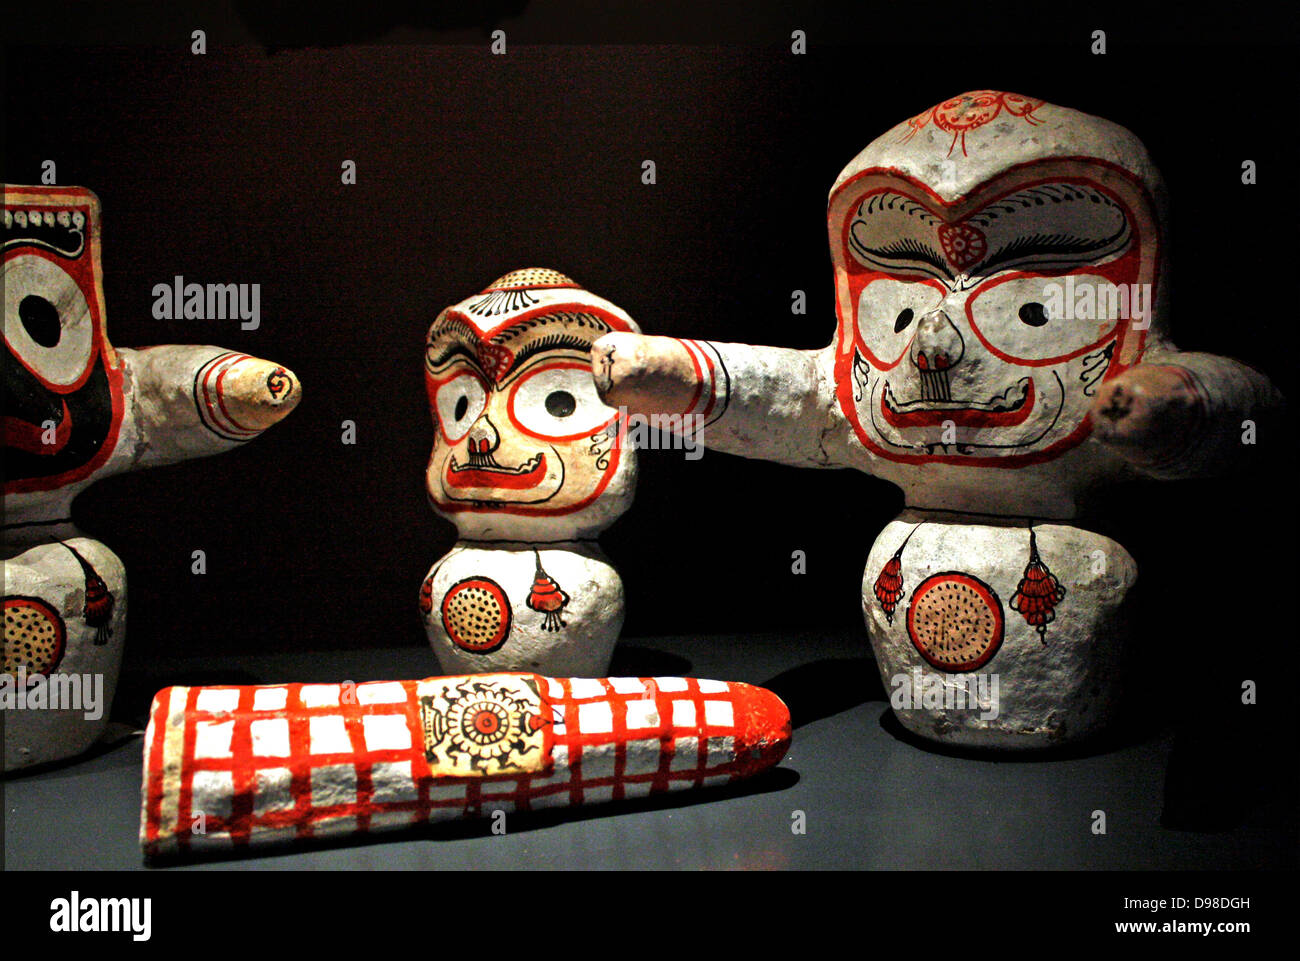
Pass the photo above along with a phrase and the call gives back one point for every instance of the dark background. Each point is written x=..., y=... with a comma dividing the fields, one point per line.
x=225, y=168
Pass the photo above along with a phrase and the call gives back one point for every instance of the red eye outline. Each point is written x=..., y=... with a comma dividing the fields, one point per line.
x=868, y=279
x=542, y=368
x=1112, y=333
x=435, y=385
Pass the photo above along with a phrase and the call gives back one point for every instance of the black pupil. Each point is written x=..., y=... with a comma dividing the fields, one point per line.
x=1033, y=314
x=40, y=319
x=904, y=318
x=462, y=405
x=560, y=403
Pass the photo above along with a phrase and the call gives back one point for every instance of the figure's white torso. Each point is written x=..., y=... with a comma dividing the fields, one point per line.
x=960, y=577
x=584, y=630
x=46, y=573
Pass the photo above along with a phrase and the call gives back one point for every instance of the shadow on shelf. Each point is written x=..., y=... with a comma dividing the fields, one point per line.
x=631, y=660
x=521, y=822
x=822, y=689
x=1119, y=736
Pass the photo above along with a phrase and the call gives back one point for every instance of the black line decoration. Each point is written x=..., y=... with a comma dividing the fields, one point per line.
x=496, y=302
x=1095, y=366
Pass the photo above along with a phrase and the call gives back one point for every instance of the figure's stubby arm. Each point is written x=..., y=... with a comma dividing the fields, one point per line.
x=193, y=401
x=1183, y=414
x=770, y=403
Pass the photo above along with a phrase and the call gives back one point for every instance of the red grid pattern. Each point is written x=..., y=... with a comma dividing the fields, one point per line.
x=329, y=759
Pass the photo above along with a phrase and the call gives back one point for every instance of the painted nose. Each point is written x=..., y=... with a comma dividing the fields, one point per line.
x=483, y=437
x=938, y=345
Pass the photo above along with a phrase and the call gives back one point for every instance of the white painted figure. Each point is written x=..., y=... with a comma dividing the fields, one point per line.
x=1001, y=348
x=77, y=410
x=530, y=466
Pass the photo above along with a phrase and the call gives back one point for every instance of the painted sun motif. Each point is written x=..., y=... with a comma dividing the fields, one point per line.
x=34, y=636
x=955, y=621
x=482, y=725
x=476, y=615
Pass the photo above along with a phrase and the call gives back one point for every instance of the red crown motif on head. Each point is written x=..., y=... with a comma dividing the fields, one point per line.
x=965, y=112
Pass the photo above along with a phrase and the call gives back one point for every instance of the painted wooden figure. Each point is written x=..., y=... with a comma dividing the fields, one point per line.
x=1001, y=347
x=77, y=410
x=529, y=464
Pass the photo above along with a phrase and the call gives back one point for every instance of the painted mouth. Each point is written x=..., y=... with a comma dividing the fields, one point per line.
x=493, y=476
x=1007, y=409
x=30, y=438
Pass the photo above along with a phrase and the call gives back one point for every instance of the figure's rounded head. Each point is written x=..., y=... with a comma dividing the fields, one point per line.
x=524, y=447
x=995, y=258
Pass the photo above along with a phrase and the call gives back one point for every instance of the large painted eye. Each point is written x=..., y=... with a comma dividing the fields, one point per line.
x=1049, y=318
x=48, y=324
x=887, y=313
x=460, y=401
x=559, y=402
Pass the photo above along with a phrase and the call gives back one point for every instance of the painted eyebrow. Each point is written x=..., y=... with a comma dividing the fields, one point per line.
x=449, y=352
x=891, y=230
x=545, y=344
x=590, y=329
x=463, y=342
x=904, y=253
x=1051, y=250
x=1087, y=223
x=889, y=210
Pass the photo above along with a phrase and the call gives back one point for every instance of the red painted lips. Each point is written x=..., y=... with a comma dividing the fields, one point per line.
x=497, y=478
x=961, y=416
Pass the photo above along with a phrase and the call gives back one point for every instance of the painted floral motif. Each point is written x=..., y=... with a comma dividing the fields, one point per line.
x=1038, y=593
x=963, y=245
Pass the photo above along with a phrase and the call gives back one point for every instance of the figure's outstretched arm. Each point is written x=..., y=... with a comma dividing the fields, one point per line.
x=1182, y=414
x=192, y=401
x=771, y=403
